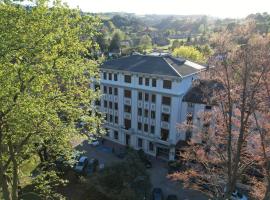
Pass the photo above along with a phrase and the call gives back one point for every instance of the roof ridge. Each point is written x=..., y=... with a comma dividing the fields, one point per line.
x=172, y=67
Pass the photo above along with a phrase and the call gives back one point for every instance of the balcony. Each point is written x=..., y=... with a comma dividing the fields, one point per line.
x=153, y=106
x=110, y=111
x=146, y=105
x=105, y=110
x=153, y=122
x=145, y=120
x=116, y=98
x=110, y=97
x=165, y=125
x=127, y=101
x=127, y=115
x=116, y=113
x=139, y=104
x=165, y=109
x=105, y=97
x=139, y=118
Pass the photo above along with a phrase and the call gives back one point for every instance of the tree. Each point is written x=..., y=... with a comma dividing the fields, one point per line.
x=190, y=53
x=175, y=44
x=132, y=181
x=44, y=78
x=229, y=134
x=115, y=42
x=145, y=42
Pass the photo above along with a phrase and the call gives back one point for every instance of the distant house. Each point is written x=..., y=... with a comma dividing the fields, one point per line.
x=198, y=99
x=143, y=101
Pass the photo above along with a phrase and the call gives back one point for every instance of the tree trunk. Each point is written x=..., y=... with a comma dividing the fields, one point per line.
x=4, y=185
x=15, y=177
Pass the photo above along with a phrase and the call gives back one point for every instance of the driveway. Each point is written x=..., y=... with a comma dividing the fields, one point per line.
x=158, y=172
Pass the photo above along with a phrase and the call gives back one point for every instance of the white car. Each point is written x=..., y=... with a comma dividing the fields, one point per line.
x=238, y=196
x=94, y=142
x=81, y=165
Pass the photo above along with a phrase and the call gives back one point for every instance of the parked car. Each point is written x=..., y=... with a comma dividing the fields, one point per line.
x=147, y=163
x=81, y=165
x=94, y=141
x=172, y=197
x=157, y=194
x=236, y=195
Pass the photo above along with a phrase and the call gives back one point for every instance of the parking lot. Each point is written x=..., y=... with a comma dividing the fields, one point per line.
x=158, y=172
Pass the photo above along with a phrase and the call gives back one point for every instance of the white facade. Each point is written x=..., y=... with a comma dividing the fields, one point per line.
x=152, y=110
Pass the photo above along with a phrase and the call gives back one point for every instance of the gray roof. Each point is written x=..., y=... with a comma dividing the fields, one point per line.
x=202, y=91
x=158, y=65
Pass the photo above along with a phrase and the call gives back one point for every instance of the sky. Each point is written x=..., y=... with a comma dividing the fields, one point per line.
x=215, y=8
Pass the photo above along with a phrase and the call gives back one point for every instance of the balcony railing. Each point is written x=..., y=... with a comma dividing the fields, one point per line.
x=127, y=101
x=165, y=125
x=127, y=115
x=166, y=109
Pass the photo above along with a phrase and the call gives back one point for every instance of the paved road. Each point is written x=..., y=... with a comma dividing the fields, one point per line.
x=158, y=173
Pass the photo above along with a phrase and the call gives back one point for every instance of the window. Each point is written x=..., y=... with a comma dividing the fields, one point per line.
x=152, y=130
x=140, y=80
x=146, y=97
x=190, y=105
x=111, y=118
x=127, y=109
x=115, y=91
x=116, y=119
x=190, y=118
x=165, y=117
x=153, y=114
x=127, y=78
x=145, y=127
x=139, y=111
x=106, y=117
x=116, y=106
x=151, y=146
x=104, y=89
x=115, y=135
x=97, y=87
x=153, y=99
x=167, y=84
x=110, y=90
x=140, y=96
x=139, y=126
x=97, y=102
x=164, y=134
x=115, y=77
x=105, y=104
x=127, y=123
x=154, y=82
x=110, y=76
x=147, y=81
x=110, y=104
x=166, y=101
x=104, y=75
x=145, y=113
x=208, y=107
x=127, y=93
x=140, y=142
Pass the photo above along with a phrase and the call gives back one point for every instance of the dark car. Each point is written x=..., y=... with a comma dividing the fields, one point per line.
x=172, y=197
x=145, y=160
x=157, y=194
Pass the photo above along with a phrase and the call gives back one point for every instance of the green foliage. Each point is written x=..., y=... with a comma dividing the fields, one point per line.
x=145, y=42
x=132, y=180
x=115, y=42
x=190, y=53
x=44, y=77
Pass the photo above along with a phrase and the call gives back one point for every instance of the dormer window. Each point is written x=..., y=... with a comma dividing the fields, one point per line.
x=127, y=78
x=167, y=84
x=154, y=82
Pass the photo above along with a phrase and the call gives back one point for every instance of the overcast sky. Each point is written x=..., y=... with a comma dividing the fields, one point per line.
x=216, y=8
